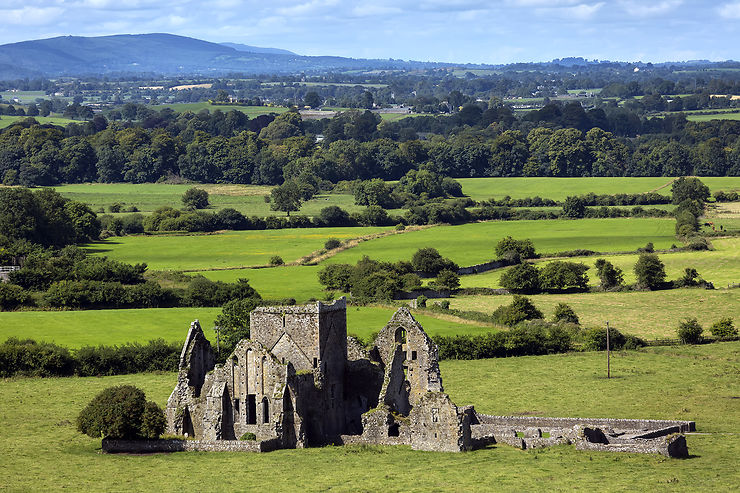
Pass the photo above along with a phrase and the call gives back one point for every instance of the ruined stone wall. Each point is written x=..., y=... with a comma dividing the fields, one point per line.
x=410, y=361
x=112, y=446
x=439, y=425
x=561, y=423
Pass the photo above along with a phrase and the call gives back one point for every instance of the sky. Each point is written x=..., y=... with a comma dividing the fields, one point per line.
x=494, y=31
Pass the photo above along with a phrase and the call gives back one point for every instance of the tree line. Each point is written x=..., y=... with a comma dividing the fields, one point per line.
x=231, y=148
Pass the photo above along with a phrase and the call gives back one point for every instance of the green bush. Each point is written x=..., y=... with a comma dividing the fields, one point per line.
x=594, y=339
x=276, y=260
x=446, y=279
x=723, y=328
x=564, y=313
x=116, y=412
x=195, y=198
x=558, y=275
x=336, y=276
x=421, y=301
x=248, y=436
x=153, y=422
x=37, y=359
x=650, y=271
x=611, y=277
x=12, y=296
x=429, y=261
x=332, y=243
x=524, y=248
x=689, y=331
x=520, y=309
x=522, y=278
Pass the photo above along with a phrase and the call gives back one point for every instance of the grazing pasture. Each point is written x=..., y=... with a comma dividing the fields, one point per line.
x=720, y=266
x=560, y=188
x=41, y=450
x=221, y=250
x=647, y=314
x=6, y=121
x=93, y=327
x=250, y=111
x=474, y=243
x=247, y=199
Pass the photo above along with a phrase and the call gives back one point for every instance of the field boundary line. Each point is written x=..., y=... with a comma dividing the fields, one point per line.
x=318, y=256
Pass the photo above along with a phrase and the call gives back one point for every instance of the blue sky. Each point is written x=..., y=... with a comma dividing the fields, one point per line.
x=439, y=30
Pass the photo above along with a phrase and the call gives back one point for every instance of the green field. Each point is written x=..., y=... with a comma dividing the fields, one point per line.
x=715, y=116
x=247, y=199
x=473, y=243
x=6, y=121
x=41, y=451
x=300, y=282
x=92, y=327
x=720, y=266
x=250, y=111
x=25, y=97
x=560, y=188
x=647, y=314
x=220, y=250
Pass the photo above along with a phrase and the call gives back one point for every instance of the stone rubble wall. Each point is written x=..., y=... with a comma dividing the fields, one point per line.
x=521, y=422
x=112, y=446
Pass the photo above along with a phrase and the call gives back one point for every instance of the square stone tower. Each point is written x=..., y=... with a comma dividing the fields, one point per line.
x=313, y=338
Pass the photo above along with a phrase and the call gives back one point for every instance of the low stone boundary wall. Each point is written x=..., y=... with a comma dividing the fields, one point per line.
x=559, y=423
x=672, y=446
x=429, y=293
x=112, y=446
x=484, y=267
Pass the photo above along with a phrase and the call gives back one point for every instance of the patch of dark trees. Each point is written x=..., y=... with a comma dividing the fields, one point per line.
x=229, y=147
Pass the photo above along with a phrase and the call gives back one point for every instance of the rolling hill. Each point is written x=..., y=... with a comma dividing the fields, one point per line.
x=165, y=54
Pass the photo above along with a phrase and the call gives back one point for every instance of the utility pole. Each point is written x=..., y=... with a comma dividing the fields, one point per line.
x=608, y=351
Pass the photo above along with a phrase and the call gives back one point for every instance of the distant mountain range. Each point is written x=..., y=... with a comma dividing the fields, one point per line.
x=171, y=55
x=257, y=49
x=167, y=54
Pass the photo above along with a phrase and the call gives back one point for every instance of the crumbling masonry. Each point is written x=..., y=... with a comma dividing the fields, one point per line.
x=299, y=381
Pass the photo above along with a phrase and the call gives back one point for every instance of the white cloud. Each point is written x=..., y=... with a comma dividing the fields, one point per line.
x=648, y=9
x=35, y=16
x=730, y=10
x=582, y=11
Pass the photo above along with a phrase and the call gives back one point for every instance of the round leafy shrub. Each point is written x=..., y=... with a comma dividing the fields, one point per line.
x=421, y=301
x=594, y=339
x=113, y=413
x=332, y=243
x=723, y=329
x=522, y=278
x=520, y=309
x=248, y=436
x=276, y=260
x=689, y=331
x=195, y=198
x=564, y=313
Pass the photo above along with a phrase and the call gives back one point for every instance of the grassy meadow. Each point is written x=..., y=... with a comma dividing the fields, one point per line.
x=560, y=188
x=221, y=250
x=41, y=451
x=250, y=111
x=647, y=314
x=474, y=243
x=6, y=121
x=93, y=327
x=720, y=266
x=247, y=199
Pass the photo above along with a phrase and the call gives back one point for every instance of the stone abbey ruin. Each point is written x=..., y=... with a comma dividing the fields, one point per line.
x=299, y=381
